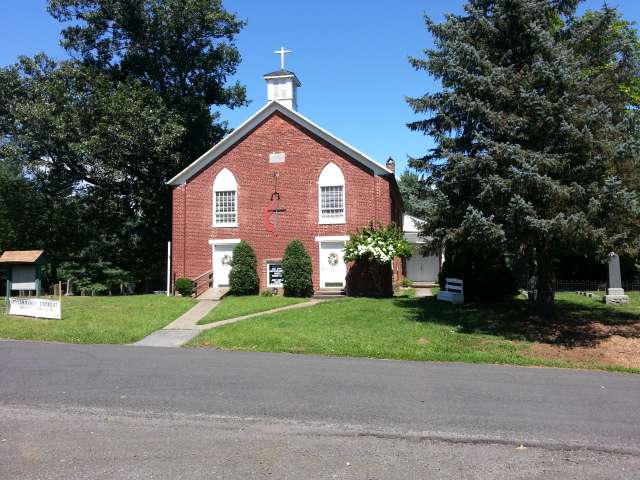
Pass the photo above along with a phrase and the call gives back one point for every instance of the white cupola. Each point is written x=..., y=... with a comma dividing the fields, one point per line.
x=282, y=85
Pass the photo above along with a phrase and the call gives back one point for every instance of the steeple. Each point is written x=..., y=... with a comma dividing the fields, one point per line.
x=282, y=84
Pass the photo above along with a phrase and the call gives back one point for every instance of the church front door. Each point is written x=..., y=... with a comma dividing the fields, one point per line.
x=222, y=255
x=333, y=270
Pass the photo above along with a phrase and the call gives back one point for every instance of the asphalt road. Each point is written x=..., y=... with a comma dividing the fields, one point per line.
x=75, y=411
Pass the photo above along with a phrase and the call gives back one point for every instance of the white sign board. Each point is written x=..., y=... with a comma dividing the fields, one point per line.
x=35, y=307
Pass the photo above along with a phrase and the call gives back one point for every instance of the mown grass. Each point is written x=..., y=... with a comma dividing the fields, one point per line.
x=414, y=329
x=238, y=306
x=118, y=319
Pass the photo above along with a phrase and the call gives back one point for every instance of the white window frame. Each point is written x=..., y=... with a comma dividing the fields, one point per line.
x=331, y=176
x=225, y=181
x=280, y=89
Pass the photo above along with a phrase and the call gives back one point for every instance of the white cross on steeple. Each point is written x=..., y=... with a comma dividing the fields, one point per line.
x=282, y=52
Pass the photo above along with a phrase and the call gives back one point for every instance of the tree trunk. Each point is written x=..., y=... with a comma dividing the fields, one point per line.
x=545, y=284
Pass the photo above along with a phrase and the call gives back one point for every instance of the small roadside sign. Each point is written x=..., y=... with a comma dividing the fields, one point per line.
x=35, y=307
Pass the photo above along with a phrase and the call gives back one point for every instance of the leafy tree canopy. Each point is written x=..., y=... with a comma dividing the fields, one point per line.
x=97, y=153
x=181, y=49
x=87, y=144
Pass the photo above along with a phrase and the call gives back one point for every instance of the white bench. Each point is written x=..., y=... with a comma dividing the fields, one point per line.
x=453, y=291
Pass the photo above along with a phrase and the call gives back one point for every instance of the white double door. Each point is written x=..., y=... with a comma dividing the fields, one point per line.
x=423, y=269
x=222, y=255
x=333, y=270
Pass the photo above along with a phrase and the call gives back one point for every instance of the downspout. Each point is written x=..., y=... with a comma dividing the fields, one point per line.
x=375, y=196
x=184, y=231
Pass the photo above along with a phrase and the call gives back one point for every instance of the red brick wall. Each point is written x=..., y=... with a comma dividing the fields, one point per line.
x=368, y=198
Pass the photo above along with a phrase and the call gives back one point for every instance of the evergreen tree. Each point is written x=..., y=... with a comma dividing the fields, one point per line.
x=243, y=278
x=531, y=127
x=415, y=194
x=297, y=270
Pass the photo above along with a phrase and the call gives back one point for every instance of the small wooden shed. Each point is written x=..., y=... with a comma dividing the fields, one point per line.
x=23, y=269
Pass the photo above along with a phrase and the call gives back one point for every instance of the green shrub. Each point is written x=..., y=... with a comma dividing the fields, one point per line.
x=185, y=286
x=95, y=277
x=486, y=276
x=267, y=293
x=297, y=271
x=406, y=282
x=243, y=278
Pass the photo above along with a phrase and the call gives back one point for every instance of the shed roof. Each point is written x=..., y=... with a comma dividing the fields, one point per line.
x=21, y=256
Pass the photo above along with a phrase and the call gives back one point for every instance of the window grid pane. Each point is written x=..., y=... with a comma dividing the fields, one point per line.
x=226, y=207
x=331, y=203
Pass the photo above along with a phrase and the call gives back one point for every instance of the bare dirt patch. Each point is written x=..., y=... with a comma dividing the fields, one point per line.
x=578, y=330
x=614, y=350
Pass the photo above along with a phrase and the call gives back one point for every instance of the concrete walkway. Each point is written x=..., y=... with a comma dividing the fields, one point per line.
x=186, y=327
x=221, y=323
x=214, y=293
x=182, y=329
x=167, y=338
x=189, y=319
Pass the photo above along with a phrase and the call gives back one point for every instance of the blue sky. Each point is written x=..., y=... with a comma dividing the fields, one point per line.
x=351, y=56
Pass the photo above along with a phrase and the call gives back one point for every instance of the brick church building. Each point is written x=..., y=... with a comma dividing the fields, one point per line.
x=276, y=178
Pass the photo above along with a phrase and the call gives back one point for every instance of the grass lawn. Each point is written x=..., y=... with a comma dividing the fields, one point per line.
x=425, y=329
x=232, y=306
x=123, y=319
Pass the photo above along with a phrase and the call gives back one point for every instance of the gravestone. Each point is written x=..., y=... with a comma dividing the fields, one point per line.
x=615, y=292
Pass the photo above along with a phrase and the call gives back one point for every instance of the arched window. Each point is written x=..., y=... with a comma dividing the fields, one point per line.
x=225, y=199
x=331, y=195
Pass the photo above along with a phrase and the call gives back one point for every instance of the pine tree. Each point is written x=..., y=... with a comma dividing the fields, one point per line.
x=415, y=194
x=531, y=125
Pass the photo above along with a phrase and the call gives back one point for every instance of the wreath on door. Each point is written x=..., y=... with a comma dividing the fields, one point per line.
x=333, y=259
x=226, y=259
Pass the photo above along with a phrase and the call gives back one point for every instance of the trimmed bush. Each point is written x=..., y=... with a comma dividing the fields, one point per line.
x=297, y=270
x=243, y=278
x=185, y=286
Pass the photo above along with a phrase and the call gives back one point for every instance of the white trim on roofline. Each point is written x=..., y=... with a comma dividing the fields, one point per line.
x=271, y=107
x=333, y=238
x=224, y=241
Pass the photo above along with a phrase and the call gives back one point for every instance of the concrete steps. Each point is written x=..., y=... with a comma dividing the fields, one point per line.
x=424, y=284
x=329, y=293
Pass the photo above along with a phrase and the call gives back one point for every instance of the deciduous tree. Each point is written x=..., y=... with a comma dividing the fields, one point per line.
x=94, y=139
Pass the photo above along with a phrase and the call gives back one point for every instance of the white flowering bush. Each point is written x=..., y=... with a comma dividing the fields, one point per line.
x=379, y=244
